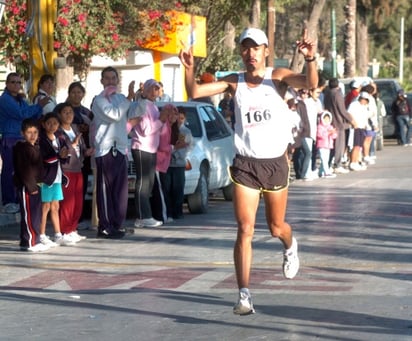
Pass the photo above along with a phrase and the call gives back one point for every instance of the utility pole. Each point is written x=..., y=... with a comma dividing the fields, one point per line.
x=333, y=36
x=401, y=51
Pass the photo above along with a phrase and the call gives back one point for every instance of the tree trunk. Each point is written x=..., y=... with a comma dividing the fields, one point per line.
x=255, y=14
x=350, y=39
x=362, y=42
x=271, y=32
x=230, y=35
x=312, y=25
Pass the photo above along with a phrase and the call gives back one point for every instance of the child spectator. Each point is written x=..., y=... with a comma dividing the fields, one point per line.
x=71, y=206
x=53, y=150
x=175, y=178
x=359, y=111
x=326, y=133
x=28, y=166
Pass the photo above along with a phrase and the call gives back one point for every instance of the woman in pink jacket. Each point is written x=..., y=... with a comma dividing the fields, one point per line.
x=169, y=135
x=325, y=136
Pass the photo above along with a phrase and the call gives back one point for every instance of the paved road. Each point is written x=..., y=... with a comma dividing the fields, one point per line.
x=177, y=282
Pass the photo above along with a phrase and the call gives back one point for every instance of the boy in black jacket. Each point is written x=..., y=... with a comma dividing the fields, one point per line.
x=28, y=168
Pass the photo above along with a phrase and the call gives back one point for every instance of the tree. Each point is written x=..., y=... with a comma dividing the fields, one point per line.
x=312, y=26
x=85, y=28
x=350, y=38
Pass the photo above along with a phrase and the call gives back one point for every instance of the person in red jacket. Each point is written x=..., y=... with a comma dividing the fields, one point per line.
x=355, y=88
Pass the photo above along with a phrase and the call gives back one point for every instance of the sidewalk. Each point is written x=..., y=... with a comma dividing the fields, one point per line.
x=177, y=282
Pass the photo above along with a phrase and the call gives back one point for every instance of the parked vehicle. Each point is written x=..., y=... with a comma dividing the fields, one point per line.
x=388, y=90
x=207, y=162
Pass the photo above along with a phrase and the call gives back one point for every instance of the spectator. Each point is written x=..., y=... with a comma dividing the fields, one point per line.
x=72, y=204
x=302, y=153
x=28, y=166
x=46, y=88
x=175, y=179
x=372, y=126
x=342, y=120
x=54, y=151
x=13, y=110
x=313, y=107
x=145, y=142
x=355, y=87
x=82, y=119
x=139, y=93
x=163, y=97
x=359, y=111
x=325, y=135
x=108, y=133
x=168, y=141
x=401, y=110
x=380, y=105
x=226, y=108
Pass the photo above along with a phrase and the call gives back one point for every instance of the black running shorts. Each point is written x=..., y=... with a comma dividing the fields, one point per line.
x=261, y=174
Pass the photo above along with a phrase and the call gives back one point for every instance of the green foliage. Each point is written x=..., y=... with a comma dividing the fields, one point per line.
x=13, y=39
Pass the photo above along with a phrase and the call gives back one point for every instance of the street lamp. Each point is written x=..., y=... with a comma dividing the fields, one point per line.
x=2, y=7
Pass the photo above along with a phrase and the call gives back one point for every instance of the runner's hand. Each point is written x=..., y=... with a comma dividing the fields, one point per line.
x=306, y=46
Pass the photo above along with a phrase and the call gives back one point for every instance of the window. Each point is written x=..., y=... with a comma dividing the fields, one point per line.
x=214, y=123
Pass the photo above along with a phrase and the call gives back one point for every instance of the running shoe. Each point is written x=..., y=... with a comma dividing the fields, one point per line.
x=244, y=306
x=45, y=240
x=149, y=222
x=65, y=240
x=36, y=248
x=291, y=260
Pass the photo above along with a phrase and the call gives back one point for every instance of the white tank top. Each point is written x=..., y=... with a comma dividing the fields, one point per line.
x=263, y=126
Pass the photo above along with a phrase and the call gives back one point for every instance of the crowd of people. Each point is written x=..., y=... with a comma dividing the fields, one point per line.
x=49, y=149
x=337, y=132
x=279, y=117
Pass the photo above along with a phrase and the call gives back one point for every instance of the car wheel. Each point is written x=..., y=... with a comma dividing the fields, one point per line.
x=228, y=192
x=198, y=202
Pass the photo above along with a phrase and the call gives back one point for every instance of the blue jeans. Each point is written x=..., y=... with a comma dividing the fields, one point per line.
x=404, y=128
x=307, y=144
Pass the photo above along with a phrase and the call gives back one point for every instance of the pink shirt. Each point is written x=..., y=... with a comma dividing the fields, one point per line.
x=146, y=134
x=164, y=152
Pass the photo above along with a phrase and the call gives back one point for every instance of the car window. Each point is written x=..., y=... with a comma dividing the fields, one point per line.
x=214, y=124
x=387, y=91
x=193, y=122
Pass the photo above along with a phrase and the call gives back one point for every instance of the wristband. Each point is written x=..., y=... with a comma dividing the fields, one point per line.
x=309, y=60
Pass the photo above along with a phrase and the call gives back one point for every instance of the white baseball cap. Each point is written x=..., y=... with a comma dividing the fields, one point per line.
x=364, y=95
x=258, y=36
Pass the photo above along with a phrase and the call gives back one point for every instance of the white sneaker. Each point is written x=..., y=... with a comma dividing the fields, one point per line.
x=369, y=160
x=355, y=166
x=149, y=222
x=11, y=208
x=36, y=248
x=340, y=170
x=291, y=260
x=45, y=240
x=244, y=306
x=65, y=240
x=76, y=236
